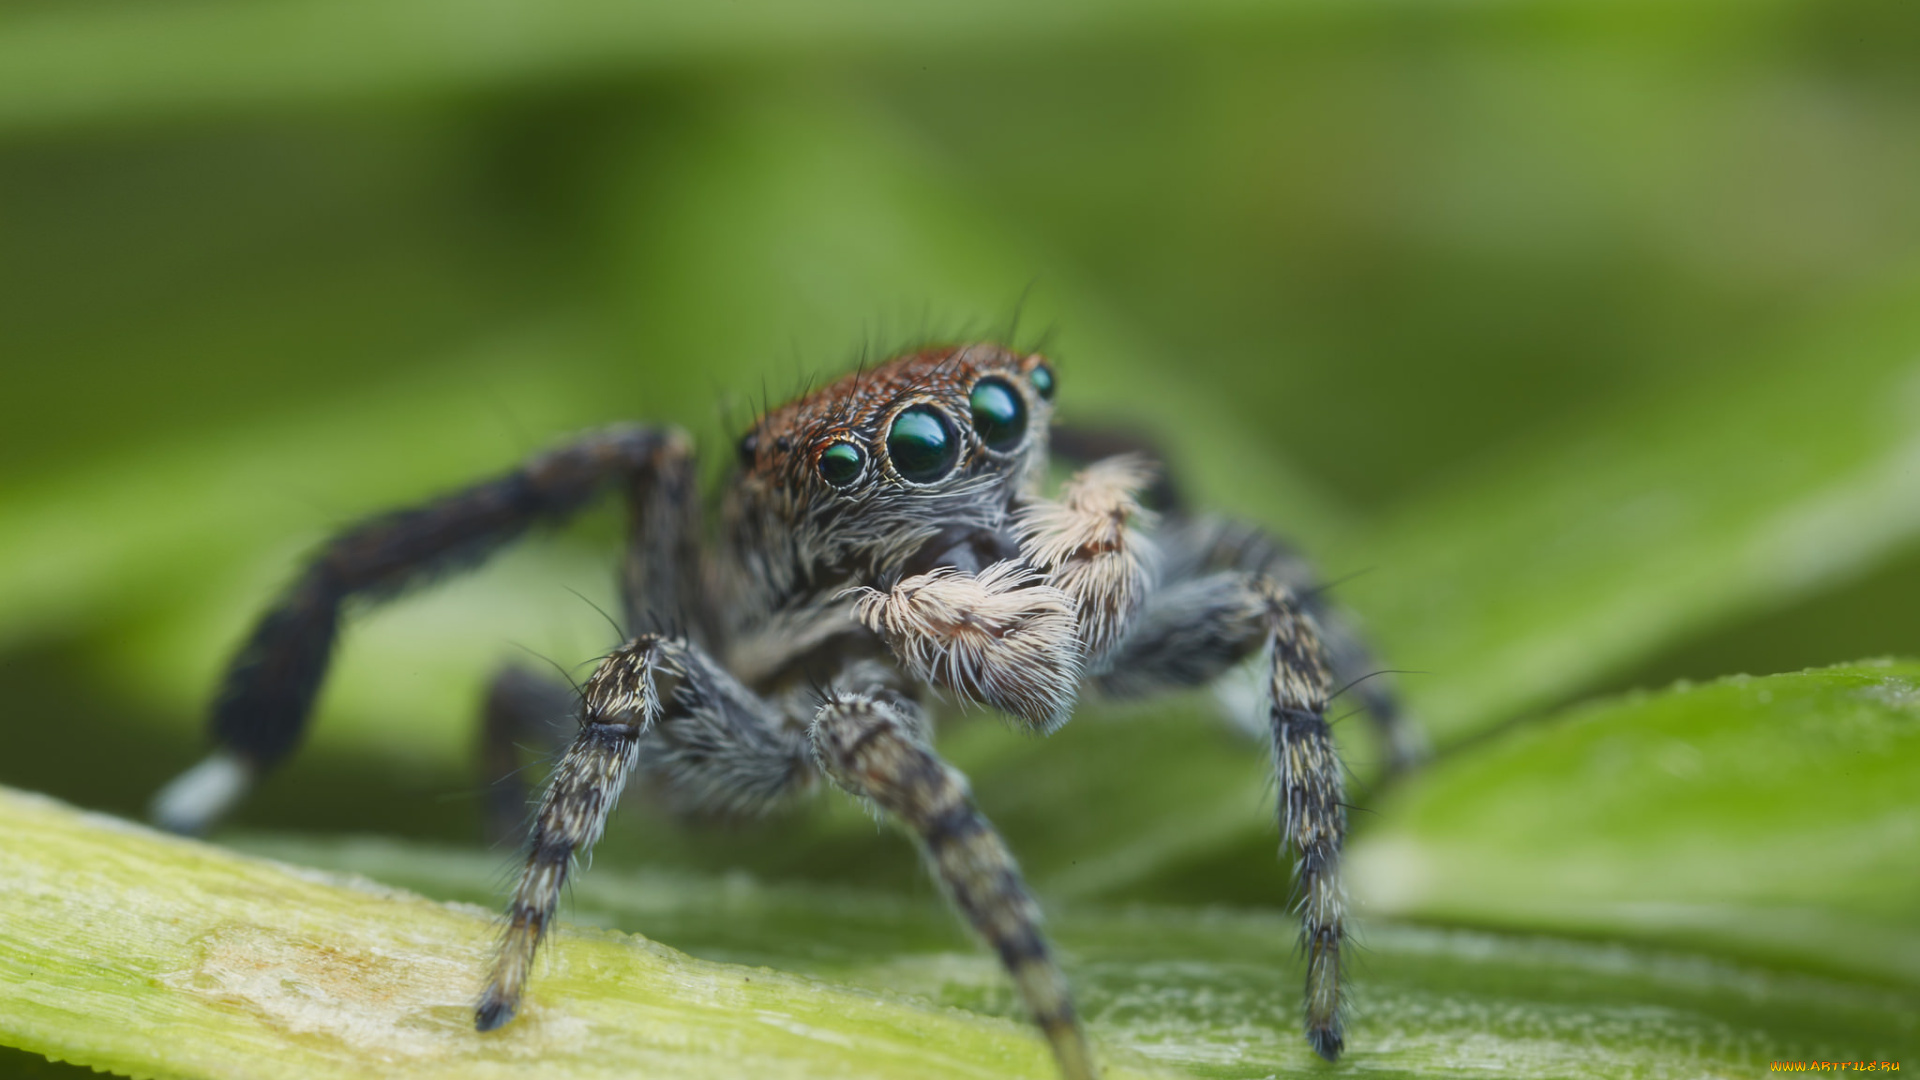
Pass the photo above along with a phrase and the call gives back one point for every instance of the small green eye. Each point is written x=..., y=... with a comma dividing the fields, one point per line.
x=1042, y=379
x=998, y=414
x=841, y=464
x=922, y=444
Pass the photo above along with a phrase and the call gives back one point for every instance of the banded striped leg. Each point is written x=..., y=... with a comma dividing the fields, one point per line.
x=1193, y=547
x=1313, y=816
x=877, y=750
x=655, y=697
x=1209, y=545
x=1192, y=632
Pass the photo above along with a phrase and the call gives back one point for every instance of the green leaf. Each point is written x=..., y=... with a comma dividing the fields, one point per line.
x=1214, y=992
x=154, y=956
x=1632, y=531
x=159, y=957
x=1772, y=818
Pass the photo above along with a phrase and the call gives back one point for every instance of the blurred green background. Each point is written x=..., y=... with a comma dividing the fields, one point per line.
x=1580, y=336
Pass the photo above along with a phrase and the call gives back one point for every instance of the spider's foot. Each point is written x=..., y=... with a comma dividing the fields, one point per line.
x=194, y=800
x=494, y=1011
x=1326, y=1042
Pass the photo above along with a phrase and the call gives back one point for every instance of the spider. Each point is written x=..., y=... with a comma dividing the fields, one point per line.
x=882, y=542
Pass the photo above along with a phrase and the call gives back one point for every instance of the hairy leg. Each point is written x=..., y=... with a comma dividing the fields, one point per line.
x=1313, y=815
x=1194, y=631
x=1194, y=546
x=875, y=746
x=662, y=571
x=1197, y=550
x=267, y=693
x=655, y=698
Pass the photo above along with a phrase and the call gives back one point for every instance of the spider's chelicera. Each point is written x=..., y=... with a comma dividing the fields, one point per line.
x=883, y=542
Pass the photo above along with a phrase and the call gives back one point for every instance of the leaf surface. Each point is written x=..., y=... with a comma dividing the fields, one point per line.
x=159, y=957
x=1772, y=818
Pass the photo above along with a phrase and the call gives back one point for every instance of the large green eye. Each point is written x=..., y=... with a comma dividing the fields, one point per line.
x=922, y=444
x=998, y=414
x=1042, y=379
x=840, y=464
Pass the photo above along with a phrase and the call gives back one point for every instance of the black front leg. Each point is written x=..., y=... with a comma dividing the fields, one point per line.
x=268, y=691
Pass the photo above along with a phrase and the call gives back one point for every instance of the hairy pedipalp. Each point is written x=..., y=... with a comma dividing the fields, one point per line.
x=1088, y=546
x=1000, y=637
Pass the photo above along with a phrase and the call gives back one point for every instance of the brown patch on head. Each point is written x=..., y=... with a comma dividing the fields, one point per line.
x=785, y=447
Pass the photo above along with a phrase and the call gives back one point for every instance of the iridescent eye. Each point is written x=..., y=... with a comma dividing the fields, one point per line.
x=841, y=464
x=998, y=414
x=922, y=444
x=749, y=446
x=1042, y=379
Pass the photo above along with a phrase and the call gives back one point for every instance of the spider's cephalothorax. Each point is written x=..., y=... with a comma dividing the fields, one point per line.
x=884, y=543
x=899, y=498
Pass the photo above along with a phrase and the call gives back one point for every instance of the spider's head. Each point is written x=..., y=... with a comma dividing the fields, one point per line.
x=901, y=468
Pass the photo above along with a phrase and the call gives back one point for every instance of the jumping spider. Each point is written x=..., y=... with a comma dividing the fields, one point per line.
x=882, y=540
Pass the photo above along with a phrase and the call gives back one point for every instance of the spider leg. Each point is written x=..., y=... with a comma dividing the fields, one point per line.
x=661, y=573
x=1197, y=547
x=1191, y=546
x=875, y=746
x=1313, y=814
x=655, y=699
x=267, y=693
x=1195, y=630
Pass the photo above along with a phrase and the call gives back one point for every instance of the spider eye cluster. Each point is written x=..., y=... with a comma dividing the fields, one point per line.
x=922, y=443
